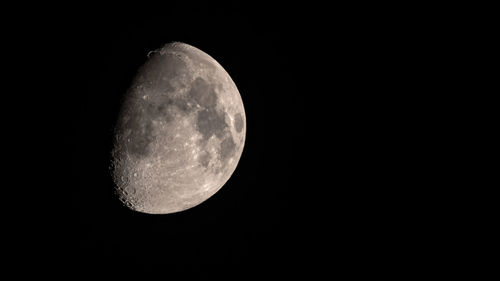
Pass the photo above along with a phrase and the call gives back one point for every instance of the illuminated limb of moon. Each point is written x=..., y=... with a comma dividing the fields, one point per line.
x=180, y=133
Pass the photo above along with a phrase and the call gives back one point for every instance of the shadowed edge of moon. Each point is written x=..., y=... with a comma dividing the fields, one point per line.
x=201, y=97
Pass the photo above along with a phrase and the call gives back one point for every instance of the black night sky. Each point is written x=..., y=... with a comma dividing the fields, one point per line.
x=316, y=184
x=250, y=226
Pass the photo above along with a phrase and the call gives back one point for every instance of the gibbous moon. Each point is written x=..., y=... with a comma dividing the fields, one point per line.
x=180, y=132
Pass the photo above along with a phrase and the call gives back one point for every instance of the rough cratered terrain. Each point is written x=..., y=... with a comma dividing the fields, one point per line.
x=180, y=132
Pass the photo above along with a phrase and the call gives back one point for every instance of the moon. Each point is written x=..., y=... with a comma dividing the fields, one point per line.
x=180, y=132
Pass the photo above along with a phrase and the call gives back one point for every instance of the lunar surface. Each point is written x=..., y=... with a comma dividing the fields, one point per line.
x=180, y=132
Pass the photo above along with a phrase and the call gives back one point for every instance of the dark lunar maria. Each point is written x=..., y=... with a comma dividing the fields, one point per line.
x=180, y=132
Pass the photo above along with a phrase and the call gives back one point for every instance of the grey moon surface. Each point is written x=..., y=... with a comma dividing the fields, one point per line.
x=179, y=134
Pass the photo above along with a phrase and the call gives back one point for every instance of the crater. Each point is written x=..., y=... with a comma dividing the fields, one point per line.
x=160, y=69
x=157, y=74
x=205, y=159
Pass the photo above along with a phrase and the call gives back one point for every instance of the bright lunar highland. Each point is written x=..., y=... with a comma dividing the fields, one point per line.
x=180, y=132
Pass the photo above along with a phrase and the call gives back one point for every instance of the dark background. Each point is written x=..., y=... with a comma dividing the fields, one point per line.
x=332, y=177
x=253, y=224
